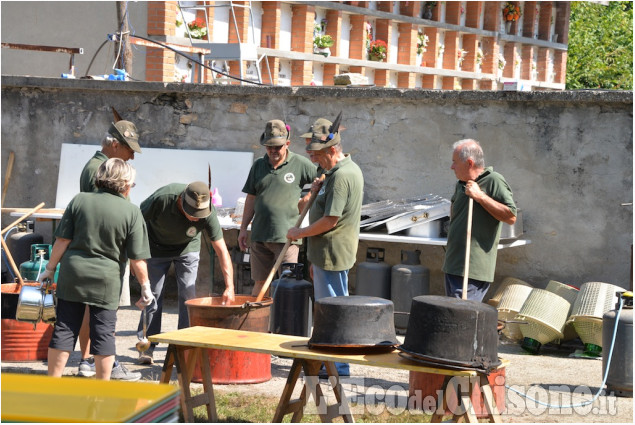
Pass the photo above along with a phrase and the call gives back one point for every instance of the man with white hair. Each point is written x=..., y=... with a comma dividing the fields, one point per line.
x=122, y=141
x=493, y=204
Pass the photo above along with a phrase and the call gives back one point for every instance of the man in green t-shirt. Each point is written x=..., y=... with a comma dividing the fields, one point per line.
x=176, y=214
x=333, y=232
x=493, y=204
x=122, y=141
x=273, y=189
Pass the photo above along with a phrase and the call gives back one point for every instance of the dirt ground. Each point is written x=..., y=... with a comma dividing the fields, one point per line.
x=551, y=377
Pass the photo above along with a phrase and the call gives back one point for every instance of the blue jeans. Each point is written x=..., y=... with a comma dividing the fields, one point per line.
x=185, y=269
x=327, y=283
x=476, y=289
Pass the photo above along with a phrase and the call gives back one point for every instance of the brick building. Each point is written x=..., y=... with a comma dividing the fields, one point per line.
x=467, y=45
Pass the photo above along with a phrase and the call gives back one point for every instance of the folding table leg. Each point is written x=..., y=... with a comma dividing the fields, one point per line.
x=285, y=405
x=488, y=399
x=184, y=382
x=438, y=414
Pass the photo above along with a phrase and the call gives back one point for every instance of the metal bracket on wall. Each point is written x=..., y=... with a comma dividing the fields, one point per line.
x=54, y=49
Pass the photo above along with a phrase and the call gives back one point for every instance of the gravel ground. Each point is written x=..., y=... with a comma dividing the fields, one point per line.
x=552, y=376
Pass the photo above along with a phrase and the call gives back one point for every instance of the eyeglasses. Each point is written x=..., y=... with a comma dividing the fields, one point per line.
x=133, y=185
x=274, y=148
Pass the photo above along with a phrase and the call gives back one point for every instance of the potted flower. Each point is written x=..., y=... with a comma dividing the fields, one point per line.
x=322, y=44
x=479, y=56
x=501, y=62
x=511, y=13
x=422, y=42
x=377, y=50
x=461, y=53
x=197, y=28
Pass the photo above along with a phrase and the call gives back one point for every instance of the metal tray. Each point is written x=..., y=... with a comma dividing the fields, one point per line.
x=421, y=213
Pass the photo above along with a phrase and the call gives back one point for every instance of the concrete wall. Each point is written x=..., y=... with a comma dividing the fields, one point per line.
x=83, y=24
x=567, y=155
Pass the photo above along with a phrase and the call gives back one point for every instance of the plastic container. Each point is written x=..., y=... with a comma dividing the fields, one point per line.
x=545, y=314
x=511, y=301
x=594, y=299
x=569, y=293
x=408, y=280
x=500, y=289
x=373, y=275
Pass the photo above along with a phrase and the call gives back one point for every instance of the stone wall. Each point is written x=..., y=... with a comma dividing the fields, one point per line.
x=567, y=155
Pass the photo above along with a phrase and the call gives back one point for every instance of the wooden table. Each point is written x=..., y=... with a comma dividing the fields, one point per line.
x=198, y=339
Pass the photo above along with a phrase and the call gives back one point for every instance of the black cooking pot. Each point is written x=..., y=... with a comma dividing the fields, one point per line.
x=453, y=332
x=353, y=322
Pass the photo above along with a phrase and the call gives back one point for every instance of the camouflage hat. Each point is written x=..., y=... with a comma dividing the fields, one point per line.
x=319, y=135
x=196, y=200
x=126, y=133
x=276, y=134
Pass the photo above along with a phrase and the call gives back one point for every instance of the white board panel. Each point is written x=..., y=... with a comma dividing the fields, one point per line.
x=158, y=167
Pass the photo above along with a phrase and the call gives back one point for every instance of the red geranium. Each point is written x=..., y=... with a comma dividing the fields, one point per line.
x=378, y=49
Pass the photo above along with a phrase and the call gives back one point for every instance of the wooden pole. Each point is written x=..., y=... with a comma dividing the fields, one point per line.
x=25, y=216
x=7, y=175
x=275, y=267
x=466, y=270
x=11, y=262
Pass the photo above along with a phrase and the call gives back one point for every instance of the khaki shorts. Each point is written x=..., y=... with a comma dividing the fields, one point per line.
x=263, y=256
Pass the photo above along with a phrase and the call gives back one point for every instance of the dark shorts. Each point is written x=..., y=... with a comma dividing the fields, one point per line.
x=476, y=289
x=264, y=256
x=69, y=320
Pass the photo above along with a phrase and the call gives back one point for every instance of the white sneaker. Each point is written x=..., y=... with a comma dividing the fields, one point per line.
x=87, y=367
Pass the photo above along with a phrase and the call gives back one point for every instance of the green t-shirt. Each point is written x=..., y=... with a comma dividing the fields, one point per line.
x=277, y=193
x=105, y=230
x=87, y=178
x=485, y=228
x=340, y=196
x=170, y=233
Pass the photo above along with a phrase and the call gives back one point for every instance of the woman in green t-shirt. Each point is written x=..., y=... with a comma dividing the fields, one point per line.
x=97, y=234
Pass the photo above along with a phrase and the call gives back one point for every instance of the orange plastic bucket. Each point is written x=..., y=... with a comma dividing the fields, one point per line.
x=423, y=385
x=233, y=367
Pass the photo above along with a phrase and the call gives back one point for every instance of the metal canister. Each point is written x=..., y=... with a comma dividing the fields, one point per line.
x=373, y=275
x=291, y=308
x=408, y=280
x=20, y=242
x=40, y=254
x=620, y=377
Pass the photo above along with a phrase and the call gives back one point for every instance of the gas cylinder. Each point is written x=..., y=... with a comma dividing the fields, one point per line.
x=373, y=275
x=291, y=308
x=20, y=241
x=40, y=254
x=408, y=280
x=620, y=377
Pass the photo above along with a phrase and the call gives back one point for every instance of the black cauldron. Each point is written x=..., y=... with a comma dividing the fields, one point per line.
x=353, y=322
x=453, y=332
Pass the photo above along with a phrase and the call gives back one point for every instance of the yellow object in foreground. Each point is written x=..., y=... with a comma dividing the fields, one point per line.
x=40, y=398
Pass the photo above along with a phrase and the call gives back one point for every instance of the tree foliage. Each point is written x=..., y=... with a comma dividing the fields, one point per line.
x=600, y=52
